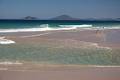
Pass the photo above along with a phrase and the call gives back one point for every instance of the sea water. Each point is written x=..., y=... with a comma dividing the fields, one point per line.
x=48, y=54
x=43, y=54
x=44, y=25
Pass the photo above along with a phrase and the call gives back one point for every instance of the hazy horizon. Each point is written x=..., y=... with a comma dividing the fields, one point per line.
x=45, y=9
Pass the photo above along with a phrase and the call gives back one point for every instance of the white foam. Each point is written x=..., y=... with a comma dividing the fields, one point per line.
x=44, y=27
x=112, y=27
x=76, y=26
x=6, y=41
x=10, y=63
x=33, y=29
x=34, y=35
x=103, y=27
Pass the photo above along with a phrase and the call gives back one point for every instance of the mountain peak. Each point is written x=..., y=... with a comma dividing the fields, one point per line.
x=29, y=18
x=64, y=17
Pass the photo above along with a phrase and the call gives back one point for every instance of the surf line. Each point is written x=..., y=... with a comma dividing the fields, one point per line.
x=6, y=41
x=34, y=35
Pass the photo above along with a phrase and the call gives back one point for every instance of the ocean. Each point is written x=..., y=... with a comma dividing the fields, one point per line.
x=46, y=53
x=44, y=25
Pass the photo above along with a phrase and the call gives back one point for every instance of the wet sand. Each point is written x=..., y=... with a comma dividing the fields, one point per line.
x=106, y=38
x=87, y=73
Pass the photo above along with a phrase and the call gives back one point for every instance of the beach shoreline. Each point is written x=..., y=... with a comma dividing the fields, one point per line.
x=84, y=73
x=87, y=39
x=71, y=38
x=100, y=37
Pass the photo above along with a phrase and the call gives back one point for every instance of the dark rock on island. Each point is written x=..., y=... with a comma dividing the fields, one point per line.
x=64, y=17
x=30, y=18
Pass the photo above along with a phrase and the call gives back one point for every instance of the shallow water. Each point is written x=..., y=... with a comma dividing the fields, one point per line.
x=48, y=54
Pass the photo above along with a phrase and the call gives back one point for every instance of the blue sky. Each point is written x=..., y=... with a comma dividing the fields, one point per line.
x=50, y=8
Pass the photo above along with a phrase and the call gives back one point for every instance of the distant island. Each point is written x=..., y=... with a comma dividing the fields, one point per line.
x=68, y=17
x=30, y=18
x=64, y=17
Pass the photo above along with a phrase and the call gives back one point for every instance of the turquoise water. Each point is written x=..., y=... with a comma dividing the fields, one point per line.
x=42, y=53
x=23, y=24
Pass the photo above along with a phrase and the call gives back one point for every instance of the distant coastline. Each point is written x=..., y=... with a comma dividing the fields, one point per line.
x=65, y=18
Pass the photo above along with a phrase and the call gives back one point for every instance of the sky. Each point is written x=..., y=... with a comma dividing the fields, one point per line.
x=43, y=9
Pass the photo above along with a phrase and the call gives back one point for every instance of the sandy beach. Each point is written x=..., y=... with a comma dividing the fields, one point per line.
x=107, y=38
x=84, y=73
x=72, y=38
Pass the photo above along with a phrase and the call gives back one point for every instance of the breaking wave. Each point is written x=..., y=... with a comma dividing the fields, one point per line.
x=47, y=27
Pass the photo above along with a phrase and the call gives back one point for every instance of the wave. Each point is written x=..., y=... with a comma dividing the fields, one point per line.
x=77, y=26
x=10, y=63
x=5, y=41
x=46, y=27
x=33, y=29
x=111, y=27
